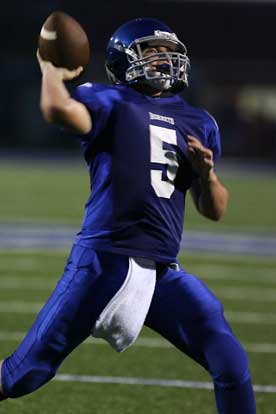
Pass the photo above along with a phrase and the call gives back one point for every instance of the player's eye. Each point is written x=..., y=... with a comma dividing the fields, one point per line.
x=148, y=52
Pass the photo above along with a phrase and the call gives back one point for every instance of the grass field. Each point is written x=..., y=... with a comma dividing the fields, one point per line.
x=50, y=193
x=246, y=286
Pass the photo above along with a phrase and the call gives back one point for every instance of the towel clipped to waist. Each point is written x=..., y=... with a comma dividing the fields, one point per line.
x=123, y=317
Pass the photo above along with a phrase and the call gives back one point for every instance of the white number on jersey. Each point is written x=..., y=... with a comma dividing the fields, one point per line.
x=158, y=135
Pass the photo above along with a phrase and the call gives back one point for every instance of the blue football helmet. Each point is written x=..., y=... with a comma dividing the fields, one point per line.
x=126, y=64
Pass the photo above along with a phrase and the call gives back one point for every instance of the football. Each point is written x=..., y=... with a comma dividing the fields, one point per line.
x=63, y=41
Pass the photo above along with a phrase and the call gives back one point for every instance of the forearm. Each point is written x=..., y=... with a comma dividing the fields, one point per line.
x=56, y=104
x=213, y=197
x=54, y=95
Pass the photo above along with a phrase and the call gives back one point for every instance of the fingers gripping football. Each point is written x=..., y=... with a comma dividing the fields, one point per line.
x=200, y=157
x=65, y=74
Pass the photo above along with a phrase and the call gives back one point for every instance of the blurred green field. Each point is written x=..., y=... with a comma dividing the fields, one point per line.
x=246, y=286
x=50, y=193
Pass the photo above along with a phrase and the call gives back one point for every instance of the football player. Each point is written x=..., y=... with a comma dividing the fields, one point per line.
x=145, y=147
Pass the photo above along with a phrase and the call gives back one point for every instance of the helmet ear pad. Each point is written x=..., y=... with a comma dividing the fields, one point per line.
x=116, y=63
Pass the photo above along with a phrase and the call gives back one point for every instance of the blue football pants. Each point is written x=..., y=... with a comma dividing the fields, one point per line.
x=183, y=310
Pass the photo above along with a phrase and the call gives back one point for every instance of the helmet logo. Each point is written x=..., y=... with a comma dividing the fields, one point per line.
x=166, y=35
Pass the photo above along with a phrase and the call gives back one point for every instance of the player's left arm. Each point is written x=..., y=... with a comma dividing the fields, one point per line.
x=209, y=194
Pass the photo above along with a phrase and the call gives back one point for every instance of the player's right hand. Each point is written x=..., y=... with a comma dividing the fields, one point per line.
x=63, y=73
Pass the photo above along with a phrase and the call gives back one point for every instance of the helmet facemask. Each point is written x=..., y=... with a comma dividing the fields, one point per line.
x=173, y=68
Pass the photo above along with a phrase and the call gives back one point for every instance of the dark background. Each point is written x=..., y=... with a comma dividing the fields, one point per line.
x=231, y=46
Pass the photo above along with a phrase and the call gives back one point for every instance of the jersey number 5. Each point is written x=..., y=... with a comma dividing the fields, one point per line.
x=159, y=155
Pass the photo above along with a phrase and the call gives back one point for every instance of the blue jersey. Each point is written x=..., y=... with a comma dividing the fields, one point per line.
x=137, y=158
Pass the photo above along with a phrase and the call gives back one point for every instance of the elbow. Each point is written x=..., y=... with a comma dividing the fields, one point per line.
x=52, y=114
x=215, y=212
x=216, y=215
x=214, y=206
x=219, y=211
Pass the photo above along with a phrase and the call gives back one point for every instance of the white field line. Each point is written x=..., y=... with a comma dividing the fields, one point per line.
x=251, y=317
x=204, y=271
x=146, y=342
x=212, y=271
x=232, y=316
x=150, y=382
x=244, y=293
x=253, y=278
x=234, y=273
x=28, y=283
x=20, y=307
x=230, y=293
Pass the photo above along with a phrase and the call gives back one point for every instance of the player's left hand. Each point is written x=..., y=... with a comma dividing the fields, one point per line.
x=200, y=157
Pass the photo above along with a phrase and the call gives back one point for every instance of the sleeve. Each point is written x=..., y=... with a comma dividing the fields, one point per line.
x=213, y=137
x=97, y=101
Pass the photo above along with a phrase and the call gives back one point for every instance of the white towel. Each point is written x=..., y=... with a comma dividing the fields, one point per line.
x=123, y=317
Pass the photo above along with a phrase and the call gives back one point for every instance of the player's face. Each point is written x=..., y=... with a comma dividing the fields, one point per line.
x=157, y=63
x=152, y=50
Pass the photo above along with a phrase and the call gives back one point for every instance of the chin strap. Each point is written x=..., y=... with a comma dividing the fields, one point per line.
x=159, y=84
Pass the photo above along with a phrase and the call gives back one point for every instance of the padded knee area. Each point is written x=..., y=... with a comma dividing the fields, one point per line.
x=26, y=379
x=227, y=361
